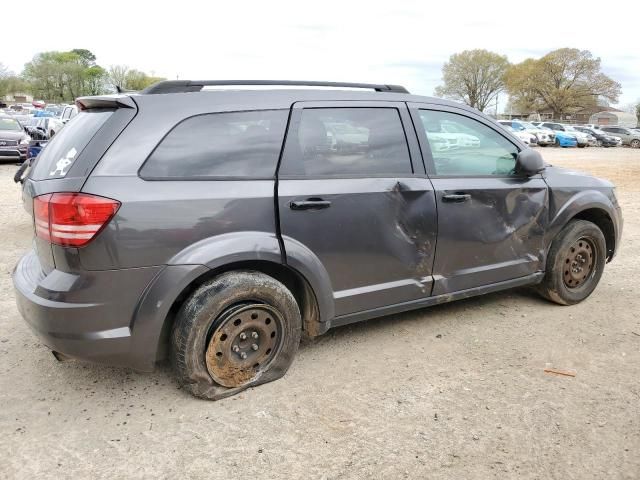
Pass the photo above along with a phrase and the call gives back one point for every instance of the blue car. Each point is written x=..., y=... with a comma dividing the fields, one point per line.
x=564, y=139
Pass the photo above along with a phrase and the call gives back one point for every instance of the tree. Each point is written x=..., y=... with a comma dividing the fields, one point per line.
x=63, y=76
x=474, y=77
x=11, y=83
x=563, y=81
x=118, y=75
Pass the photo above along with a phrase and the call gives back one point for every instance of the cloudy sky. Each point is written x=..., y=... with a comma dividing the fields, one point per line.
x=398, y=41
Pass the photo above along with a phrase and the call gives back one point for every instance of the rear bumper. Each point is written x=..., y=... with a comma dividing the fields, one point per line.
x=85, y=315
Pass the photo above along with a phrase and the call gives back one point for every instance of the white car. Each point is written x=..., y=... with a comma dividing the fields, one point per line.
x=526, y=137
x=582, y=137
x=543, y=136
x=48, y=125
x=443, y=141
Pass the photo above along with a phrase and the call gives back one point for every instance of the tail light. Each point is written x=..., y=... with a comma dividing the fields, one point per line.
x=71, y=219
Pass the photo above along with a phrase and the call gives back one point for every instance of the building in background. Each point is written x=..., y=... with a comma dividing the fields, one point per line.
x=614, y=117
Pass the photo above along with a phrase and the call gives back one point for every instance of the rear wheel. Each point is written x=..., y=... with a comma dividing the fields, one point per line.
x=238, y=330
x=574, y=264
x=635, y=143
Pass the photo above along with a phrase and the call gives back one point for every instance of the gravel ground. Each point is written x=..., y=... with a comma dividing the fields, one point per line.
x=454, y=391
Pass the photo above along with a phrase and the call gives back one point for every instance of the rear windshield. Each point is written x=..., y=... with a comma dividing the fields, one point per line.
x=62, y=151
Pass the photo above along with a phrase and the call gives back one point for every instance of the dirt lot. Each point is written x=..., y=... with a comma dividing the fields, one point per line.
x=456, y=391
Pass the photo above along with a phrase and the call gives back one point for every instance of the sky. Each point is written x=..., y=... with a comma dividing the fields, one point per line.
x=401, y=42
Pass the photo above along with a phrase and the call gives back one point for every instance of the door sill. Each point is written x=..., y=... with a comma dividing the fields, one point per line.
x=532, y=279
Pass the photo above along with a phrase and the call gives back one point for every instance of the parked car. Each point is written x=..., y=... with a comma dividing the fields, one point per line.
x=582, y=139
x=49, y=125
x=628, y=136
x=526, y=137
x=544, y=137
x=221, y=224
x=444, y=136
x=564, y=139
x=14, y=140
x=602, y=138
x=591, y=140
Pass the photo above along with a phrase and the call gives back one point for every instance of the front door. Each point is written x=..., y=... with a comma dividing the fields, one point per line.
x=490, y=221
x=347, y=191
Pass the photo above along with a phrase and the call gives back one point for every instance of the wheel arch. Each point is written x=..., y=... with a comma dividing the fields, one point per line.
x=594, y=207
x=304, y=276
x=604, y=222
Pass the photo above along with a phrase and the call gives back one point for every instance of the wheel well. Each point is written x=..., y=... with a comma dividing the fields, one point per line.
x=296, y=283
x=602, y=219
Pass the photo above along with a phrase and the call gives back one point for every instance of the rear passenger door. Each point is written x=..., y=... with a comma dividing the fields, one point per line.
x=347, y=192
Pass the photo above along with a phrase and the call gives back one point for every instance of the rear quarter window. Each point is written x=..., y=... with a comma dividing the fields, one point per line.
x=55, y=160
x=234, y=144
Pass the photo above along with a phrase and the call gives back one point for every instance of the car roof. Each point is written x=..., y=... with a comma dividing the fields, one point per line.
x=222, y=96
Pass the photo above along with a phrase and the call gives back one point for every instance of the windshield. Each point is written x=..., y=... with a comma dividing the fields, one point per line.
x=9, y=124
x=528, y=126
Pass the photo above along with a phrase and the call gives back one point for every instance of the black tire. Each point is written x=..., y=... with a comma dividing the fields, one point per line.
x=578, y=237
x=202, y=350
x=581, y=146
x=635, y=144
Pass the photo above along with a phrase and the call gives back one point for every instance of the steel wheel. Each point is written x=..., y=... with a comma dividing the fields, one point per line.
x=579, y=263
x=247, y=338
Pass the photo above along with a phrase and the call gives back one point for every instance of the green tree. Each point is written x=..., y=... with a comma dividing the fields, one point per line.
x=563, y=81
x=474, y=77
x=63, y=76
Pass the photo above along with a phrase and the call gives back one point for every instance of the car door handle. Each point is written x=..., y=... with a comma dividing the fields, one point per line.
x=310, y=204
x=456, y=197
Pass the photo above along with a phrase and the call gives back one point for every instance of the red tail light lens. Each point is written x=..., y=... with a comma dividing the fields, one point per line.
x=71, y=219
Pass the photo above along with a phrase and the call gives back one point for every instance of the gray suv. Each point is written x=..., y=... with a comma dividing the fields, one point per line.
x=217, y=225
x=629, y=136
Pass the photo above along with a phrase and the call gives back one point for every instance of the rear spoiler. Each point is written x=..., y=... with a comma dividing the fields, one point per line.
x=105, y=101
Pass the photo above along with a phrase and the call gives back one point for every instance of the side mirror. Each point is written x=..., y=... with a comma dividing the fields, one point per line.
x=529, y=162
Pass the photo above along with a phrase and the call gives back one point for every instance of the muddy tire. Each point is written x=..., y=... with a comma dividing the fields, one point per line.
x=239, y=330
x=575, y=263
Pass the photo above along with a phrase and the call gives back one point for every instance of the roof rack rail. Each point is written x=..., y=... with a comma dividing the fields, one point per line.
x=182, y=86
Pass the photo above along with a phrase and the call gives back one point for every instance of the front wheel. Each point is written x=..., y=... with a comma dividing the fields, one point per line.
x=239, y=330
x=574, y=264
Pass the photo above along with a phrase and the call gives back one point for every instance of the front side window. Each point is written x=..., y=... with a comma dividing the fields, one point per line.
x=236, y=144
x=461, y=146
x=348, y=141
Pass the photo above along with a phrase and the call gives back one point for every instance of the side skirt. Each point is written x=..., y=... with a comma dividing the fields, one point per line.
x=532, y=279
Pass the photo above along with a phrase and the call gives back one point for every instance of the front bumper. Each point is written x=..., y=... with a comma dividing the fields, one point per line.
x=13, y=153
x=85, y=315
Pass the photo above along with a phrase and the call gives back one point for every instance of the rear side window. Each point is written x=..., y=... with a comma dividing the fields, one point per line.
x=348, y=141
x=238, y=144
x=55, y=160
